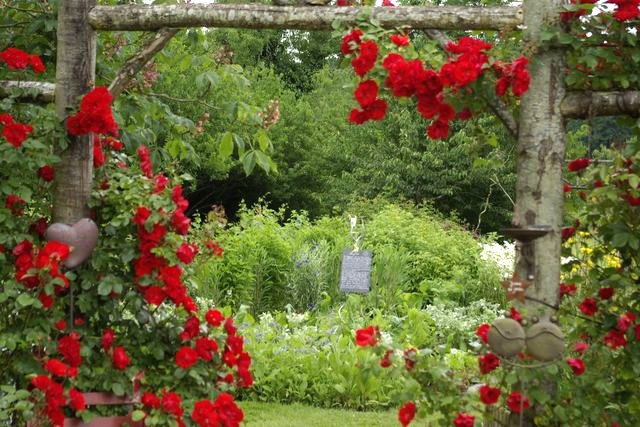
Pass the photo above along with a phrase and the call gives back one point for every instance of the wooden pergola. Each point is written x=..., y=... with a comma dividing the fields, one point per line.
x=540, y=129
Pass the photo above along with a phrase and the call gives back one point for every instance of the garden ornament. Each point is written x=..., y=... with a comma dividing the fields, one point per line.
x=81, y=237
x=545, y=341
x=506, y=337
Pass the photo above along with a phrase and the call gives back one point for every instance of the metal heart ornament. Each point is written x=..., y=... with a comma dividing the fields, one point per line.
x=81, y=237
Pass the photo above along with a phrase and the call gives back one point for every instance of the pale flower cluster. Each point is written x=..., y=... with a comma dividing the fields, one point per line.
x=502, y=255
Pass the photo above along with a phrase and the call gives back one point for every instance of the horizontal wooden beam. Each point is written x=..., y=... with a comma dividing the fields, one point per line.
x=32, y=91
x=580, y=105
x=262, y=16
x=576, y=105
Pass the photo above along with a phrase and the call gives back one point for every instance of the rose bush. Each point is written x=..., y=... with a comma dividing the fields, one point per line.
x=123, y=322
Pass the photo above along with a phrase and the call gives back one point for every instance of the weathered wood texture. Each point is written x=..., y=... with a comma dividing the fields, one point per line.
x=137, y=61
x=539, y=196
x=33, y=91
x=259, y=16
x=578, y=105
x=75, y=75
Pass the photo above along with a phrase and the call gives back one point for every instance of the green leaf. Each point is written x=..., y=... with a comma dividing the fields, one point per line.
x=249, y=162
x=263, y=139
x=226, y=145
x=105, y=287
x=118, y=389
x=264, y=161
x=137, y=415
x=25, y=300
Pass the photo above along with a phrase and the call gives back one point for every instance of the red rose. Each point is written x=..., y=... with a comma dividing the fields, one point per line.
x=98, y=154
x=385, y=362
x=228, y=412
x=151, y=400
x=69, y=348
x=214, y=317
x=142, y=214
x=464, y=420
x=406, y=413
x=364, y=62
x=581, y=347
x=625, y=320
x=76, y=400
x=57, y=367
x=605, y=293
x=488, y=362
x=578, y=164
x=515, y=315
x=204, y=414
x=172, y=403
x=400, y=39
x=186, y=252
x=438, y=129
x=60, y=325
x=206, y=347
x=367, y=336
x=516, y=402
x=120, y=359
x=589, y=306
x=191, y=329
x=108, y=336
x=576, y=365
x=47, y=173
x=186, y=357
x=349, y=40
x=489, y=395
x=567, y=232
x=409, y=356
x=483, y=331
x=615, y=339
x=215, y=248
x=15, y=204
x=145, y=161
x=569, y=289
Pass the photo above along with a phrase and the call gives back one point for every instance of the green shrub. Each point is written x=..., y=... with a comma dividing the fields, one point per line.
x=443, y=264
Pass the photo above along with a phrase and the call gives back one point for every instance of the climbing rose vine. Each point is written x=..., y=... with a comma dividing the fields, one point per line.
x=133, y=328
x=432, y=89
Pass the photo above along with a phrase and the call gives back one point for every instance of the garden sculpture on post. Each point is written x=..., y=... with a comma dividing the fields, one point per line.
x=539, y=129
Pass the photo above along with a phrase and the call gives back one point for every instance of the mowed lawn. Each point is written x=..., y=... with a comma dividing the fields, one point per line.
x=259, y=414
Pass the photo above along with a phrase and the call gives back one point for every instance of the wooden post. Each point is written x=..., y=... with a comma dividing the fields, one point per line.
x=540, y=198
x=75, y=75
x=541, y=148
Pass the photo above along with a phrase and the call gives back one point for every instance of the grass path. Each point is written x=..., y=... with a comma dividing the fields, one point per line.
x=258, y=414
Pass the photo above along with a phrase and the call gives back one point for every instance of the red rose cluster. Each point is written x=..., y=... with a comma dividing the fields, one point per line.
x=17, y=59
x=373, y=108
x=119, y=357
x=37, y=267
x=15, y=133
x=407, y=413
x=156, y=278
x=223, y=411
x=95, y=114
x=54, y=396
x=626, y=10
x=101, y=143
x=409, y=78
